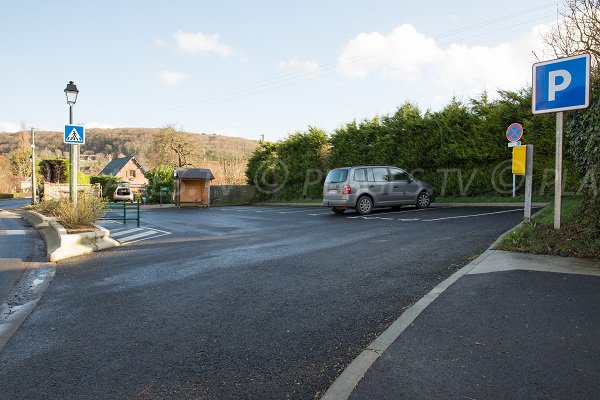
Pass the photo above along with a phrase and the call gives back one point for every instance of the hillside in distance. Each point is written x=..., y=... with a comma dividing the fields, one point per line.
x=104, y=144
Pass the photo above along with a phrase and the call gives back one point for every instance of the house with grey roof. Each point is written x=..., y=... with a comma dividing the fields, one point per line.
x=128, y=169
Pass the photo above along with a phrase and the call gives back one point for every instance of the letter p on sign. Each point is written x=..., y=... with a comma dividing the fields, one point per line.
x=561, y=85
x=554, y=86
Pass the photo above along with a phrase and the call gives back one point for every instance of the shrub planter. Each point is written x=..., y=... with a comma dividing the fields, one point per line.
x=61, y=245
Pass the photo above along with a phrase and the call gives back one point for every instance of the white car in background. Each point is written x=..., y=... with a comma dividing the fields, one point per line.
x=123, y=193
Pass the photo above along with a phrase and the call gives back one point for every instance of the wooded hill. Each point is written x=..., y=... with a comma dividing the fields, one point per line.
x=104, y=144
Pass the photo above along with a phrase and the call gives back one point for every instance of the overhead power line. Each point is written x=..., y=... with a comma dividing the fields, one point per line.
x=289, y=79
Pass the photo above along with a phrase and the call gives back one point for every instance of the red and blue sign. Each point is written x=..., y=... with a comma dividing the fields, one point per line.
x=514, y=132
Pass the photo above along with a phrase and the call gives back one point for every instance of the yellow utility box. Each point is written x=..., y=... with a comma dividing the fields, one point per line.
x=519, y=160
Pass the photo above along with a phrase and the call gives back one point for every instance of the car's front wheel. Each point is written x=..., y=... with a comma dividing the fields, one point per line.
x=423, y=200
x=364, y=205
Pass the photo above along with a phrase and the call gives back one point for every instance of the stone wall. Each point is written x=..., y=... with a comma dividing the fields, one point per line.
x=58, y=190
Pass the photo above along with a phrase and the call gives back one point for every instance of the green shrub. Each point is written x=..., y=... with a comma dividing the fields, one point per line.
x=108, y=183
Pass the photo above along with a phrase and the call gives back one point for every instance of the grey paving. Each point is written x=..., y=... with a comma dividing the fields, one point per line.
x=508, y=329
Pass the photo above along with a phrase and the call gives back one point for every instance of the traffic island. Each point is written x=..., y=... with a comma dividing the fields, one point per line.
x=61, y=245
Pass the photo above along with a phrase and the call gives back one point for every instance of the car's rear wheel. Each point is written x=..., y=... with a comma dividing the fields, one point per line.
x=423, y=200
x=338, y=210
x=364, y=205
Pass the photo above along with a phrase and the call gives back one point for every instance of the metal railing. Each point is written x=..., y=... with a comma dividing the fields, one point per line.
x=117, y=211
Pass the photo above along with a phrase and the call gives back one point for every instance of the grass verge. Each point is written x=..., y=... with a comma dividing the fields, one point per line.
x=540, y=237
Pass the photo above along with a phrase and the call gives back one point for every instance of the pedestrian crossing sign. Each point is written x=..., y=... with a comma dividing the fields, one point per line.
x=74, y=134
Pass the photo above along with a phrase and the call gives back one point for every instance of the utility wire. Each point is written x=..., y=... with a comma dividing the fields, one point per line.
x=290, y=79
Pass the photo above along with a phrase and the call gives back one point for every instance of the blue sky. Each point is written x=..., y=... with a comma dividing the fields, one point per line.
x=245, y=68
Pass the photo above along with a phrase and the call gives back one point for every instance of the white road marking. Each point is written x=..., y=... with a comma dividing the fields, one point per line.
x=15, y=231
x=8, y=215
x=472, y=215
x=296, y=211
x=131, y=238
x=128, y=231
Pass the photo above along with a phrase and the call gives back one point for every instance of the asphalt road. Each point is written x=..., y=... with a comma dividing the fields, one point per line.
x=15, y=248
x=236, y=302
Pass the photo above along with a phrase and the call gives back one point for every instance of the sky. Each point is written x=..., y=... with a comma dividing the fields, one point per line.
x=261, y=67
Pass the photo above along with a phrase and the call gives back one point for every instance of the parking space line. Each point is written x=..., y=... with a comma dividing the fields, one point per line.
x=472, y=215
x=391, y=212
x=296, y=211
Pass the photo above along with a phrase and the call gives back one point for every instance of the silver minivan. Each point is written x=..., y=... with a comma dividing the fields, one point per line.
x=370, y=186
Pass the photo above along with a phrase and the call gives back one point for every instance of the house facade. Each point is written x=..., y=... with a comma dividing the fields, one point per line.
x=128, y=169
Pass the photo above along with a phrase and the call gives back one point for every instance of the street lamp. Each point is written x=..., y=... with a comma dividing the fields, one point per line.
x=71, y=93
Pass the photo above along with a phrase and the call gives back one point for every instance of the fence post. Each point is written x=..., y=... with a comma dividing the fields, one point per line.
x=138, y=213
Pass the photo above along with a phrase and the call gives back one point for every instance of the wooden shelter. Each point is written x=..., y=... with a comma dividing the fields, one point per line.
x=193, y=186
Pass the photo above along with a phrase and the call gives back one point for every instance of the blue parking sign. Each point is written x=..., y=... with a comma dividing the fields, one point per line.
x=561, y=85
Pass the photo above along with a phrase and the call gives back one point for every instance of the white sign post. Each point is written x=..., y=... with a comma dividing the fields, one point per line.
x=514, y=132
x=560, y=85
x=74, y=136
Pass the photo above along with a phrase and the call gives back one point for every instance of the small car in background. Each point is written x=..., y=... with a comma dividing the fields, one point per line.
x=123, y=193
x=366, y=187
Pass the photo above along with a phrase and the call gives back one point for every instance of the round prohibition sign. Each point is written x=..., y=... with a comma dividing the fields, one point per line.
x=514, y=132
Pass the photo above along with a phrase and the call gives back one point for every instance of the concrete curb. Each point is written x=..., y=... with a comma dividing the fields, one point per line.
x=344, y=385
x=61, y=245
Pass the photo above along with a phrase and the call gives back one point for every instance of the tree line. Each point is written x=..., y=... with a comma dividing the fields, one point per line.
x=461, y=150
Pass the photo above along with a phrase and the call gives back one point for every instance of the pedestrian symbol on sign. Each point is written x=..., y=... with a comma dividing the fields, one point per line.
x=74, y=136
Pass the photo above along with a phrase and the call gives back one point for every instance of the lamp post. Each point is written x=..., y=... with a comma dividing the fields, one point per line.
x=71, y=92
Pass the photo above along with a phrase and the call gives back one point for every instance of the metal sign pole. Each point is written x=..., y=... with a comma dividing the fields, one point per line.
x=33, y=178
x=558, y=170
x=528, y=182
x=74, y=167
x=514, y=194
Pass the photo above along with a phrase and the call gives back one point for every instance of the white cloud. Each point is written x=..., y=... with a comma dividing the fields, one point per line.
x=9, y=127
x=303, y=68
x=453, y=17
x=420, y=64
x=197, y=43
x=401, y=54
x=171, y=78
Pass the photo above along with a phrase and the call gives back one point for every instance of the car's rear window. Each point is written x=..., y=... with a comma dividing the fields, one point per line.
x=123, y=191
x=337, y=175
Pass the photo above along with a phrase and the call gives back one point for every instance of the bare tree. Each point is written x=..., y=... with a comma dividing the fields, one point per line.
x=20, y=164
x=577, y=30
x=173, y=148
